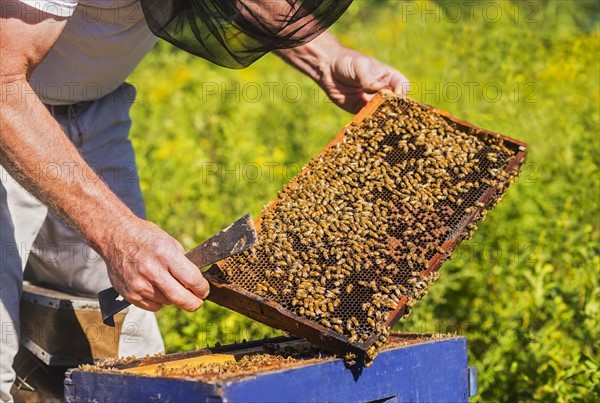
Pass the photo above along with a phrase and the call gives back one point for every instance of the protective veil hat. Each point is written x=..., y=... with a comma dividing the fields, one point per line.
x=235, y=33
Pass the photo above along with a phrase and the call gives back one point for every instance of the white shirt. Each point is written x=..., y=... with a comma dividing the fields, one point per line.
x=100, y=46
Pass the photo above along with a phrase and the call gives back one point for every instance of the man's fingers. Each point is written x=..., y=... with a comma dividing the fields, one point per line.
x=370, y=76
x=374, y=76
x=191, y=277
x=178, y=294
x=146, y=296
x=187, y=273
x=392, y=80
x=158, y=296
x=399, y=84
x=159, y=274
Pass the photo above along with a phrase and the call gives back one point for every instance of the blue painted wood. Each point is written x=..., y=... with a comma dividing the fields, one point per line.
x=435, y=370
x=97, y=387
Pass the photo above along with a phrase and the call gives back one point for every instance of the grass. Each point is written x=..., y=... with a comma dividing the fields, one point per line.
x=213, y=144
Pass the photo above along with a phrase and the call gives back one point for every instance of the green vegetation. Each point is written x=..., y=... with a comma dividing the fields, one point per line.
x=213, y=144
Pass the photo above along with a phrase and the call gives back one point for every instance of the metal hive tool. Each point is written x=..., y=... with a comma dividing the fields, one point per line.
x=355, y=239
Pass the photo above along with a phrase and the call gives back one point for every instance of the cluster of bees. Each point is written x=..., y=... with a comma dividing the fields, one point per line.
x=248, y=364
x=349, y=241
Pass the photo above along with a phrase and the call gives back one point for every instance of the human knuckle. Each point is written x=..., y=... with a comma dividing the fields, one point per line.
x=160, y=248
x=138, y=285
x=145, y=264
x=135, y=299
x=157, y=275
x=196, y=279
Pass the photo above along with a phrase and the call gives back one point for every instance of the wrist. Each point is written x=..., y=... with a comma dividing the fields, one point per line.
x=117, y=232
x=315, y=59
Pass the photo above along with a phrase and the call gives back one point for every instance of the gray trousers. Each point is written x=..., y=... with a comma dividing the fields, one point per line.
x=35, y=241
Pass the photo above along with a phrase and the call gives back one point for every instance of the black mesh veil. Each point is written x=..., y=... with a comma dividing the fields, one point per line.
x=235, y=33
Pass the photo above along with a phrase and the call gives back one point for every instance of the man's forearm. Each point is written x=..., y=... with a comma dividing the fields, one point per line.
x=349, y=78
x=313, y=58
x=31, y=139
x=145, y=264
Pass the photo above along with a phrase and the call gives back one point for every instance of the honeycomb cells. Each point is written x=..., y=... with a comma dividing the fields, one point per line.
x=357, y=234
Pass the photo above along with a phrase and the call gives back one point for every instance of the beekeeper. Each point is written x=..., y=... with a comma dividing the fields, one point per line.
x=70, y=202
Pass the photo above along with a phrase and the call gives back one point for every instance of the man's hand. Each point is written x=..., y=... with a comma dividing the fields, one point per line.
x=145, y=264
x=148, y=268
x=354, y=78
x=349, y=78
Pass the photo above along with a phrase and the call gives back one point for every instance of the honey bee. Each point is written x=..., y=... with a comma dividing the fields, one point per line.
x=261, y=287
x=387, y=280
x=493, y=157
x=356, y=193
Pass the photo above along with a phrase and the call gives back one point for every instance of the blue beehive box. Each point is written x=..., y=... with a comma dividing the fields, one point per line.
x=416, y=368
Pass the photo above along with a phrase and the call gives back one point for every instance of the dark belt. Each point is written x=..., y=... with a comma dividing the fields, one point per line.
x=63, y=110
